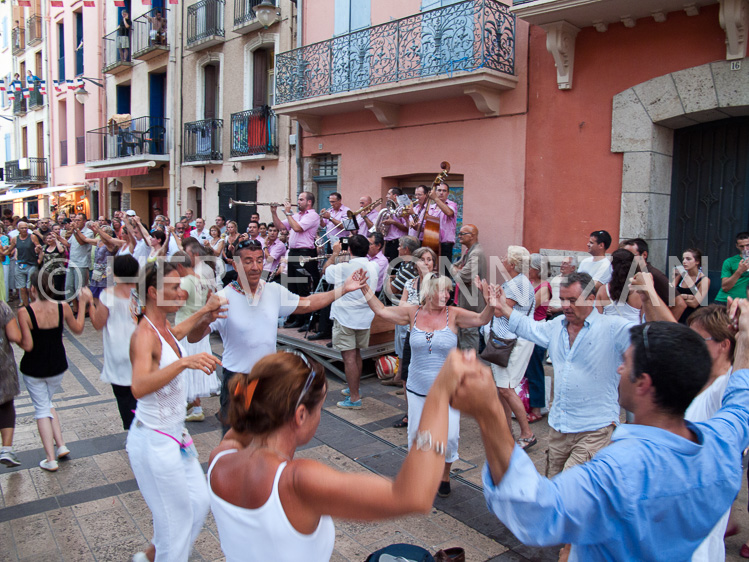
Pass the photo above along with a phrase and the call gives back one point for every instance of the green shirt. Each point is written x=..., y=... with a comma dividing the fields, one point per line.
x=739, y=289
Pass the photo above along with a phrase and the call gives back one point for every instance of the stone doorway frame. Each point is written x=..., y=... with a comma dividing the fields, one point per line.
x=642, y=129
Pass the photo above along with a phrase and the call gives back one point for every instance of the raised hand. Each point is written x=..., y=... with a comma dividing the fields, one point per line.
x=85, y=296
x=205, y=362
x=358, y=280
x=476, y=392
x=458, y=363
x=216, y=306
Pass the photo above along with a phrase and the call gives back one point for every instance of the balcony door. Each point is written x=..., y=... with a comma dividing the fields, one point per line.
x=351, y=48
x=448, y=36
x=211, y=95
x=157, y=112
x=40, y=140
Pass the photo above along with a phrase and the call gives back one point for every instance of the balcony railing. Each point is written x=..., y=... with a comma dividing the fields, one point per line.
x=116, y=58
x=467, y=36
x=205, y=21
x=26, y=170
x=244, y=13
x=80, y=150
x=203, y=140
x=18, y=40
x=34, y=30
x=36, y=99
x=19, y=105
x=63, y=153
x=149, y=35
x=143, y=136
x=253, y=132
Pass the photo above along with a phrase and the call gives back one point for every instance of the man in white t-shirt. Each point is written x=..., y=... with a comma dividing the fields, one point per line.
x=79, y=262
x=351, y=315
x=200, y=231
x=250, y=327
x=597, y=265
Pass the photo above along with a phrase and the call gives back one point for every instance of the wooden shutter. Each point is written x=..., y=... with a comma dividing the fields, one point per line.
x=260, y=78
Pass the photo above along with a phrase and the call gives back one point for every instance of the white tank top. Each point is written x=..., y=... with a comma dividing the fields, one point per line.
x=623, y=309
x=164, y=409
x=265, y=533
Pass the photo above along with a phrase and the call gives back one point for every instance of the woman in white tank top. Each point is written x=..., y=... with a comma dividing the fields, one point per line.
x=162, y=456
x=610, y=297
x=270, y=506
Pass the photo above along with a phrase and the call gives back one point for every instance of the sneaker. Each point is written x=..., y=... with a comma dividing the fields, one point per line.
x=349, y=404
x=140, y=557
x=444, y=490
x=9, y=458
x=48, y=465
x=346, y=392
x=193, y=417
x=62, y=452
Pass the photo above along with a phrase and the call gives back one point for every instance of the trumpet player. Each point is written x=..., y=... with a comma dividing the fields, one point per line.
x=366, y=221
x=330, y=219
x=396, y=227
x=302, y=227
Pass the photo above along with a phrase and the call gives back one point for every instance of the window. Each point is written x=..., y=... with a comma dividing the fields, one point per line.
x=5, y=33
x=32, y=206
x=61, y=51
x=8, y=156
x=78, y=43
x=351, y=15
x=123, y=99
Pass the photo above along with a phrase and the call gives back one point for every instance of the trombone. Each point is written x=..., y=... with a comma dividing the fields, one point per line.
x=347, y=224
x=257, y=203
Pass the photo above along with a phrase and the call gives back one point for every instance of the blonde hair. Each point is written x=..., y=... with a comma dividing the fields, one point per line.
x=519, y=258
x=433, y=284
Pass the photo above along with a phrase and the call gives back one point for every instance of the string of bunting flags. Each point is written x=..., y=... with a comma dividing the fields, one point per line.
x=87, y=3
x=16, y=87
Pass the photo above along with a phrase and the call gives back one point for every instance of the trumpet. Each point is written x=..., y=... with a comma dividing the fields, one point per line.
x=305, y=259
x=258, y=203
x=364, y=210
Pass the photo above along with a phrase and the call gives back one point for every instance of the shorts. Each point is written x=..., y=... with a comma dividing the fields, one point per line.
x=41, y=391
x=23, y=275
x=571, y=449
x=346, y=339
x=123, y=42
x=510, y=376
x=75, y=279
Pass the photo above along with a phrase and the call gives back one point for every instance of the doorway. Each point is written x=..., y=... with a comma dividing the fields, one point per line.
x=158, y=199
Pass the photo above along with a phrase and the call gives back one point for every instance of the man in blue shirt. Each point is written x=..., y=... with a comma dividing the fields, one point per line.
x=662, y=484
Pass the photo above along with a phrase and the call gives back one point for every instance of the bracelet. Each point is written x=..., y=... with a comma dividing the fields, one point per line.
x=288, y=213
x=424, y=442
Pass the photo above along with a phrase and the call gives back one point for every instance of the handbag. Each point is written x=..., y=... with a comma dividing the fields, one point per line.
x=498, y=350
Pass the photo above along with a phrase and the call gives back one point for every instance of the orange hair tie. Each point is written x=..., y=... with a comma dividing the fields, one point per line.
x=249, y=392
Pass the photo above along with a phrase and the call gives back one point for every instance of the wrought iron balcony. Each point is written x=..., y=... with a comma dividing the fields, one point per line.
x=202, y=140
x=34, y=30
x=116, y=58
x=205, y=24
x=253, y=132
x=19, y=105
x=36, y=99
x=18, y=40
x=143, y=138
x=26, y=170
x=245, y=19
x=474, y=36
x=149, y=35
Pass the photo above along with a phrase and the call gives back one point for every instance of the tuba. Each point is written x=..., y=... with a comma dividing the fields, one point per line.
x=387, y=212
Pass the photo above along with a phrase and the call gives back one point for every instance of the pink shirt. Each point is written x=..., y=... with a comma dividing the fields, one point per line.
x=363, y=228
x=258, y=239
x=309, y=221
x=277, y=250
x=447, y=224
x=382, y=266
x=338, y=215
x=418, y=209
x=394, y=232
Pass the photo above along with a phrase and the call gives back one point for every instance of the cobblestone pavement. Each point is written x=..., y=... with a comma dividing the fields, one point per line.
x=91, y=509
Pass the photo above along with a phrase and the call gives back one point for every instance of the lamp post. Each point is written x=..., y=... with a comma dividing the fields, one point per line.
x=267, y=13
x=81, y=94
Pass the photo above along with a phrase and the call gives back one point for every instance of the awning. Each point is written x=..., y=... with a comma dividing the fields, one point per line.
x=44, y=191
x=138, y=169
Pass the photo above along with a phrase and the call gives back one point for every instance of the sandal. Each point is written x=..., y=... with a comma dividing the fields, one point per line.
x=527, y=442
x=391, y=382
x=533, y=418
x=402, y=423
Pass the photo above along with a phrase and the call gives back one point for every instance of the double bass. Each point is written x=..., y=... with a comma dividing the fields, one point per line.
x=429, y=224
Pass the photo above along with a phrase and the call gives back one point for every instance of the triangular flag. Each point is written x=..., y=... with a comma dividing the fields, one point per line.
x=25, y=3
x=79, y=83
x=11, y=95
x=119, y=3
x=146, y=2
x=89, y=4
x=71, y=85
x=26, y=93
x=174, y=1
x=17, y=85
x=57, y=86
x=56, y=3
x=30, y=84
x=43, y=87
x=2, y=85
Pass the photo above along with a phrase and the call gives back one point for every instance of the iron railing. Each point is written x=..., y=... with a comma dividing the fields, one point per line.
x=136, y=137
x=149, y=32
x=19, y=104
x=36, y=99
x=243, y=11
x=80, y=150
x=37, y=170
x=253, y=132
x=205, y=19
x=18, y=40
x=466, y=36
x=34, y=30
x=202, y=140
x=113, y=55
x=63, y=152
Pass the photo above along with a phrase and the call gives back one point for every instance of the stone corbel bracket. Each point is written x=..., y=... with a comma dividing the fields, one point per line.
x=486, y=100
x=560, y=42
x=386, y=113
x=311, y=124
x=734, y=21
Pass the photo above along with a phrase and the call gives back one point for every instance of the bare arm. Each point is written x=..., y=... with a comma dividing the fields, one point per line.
x=112, y=244
x=214, y=308
x=99, y=314
x=321, y=300
x=396, y=314
x=727, y=283
x=276, y=221
x=82, y=239
x=14, y=333
x=653, y=307
x=24, y=324
x=76, y=323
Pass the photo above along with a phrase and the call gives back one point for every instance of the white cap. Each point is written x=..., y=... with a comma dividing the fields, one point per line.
x=130, y=213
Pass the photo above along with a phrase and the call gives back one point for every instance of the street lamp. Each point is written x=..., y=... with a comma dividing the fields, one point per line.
x=267, y=13
x=81, y=94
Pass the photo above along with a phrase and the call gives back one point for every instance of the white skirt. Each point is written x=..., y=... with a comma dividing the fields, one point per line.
x=198, y=383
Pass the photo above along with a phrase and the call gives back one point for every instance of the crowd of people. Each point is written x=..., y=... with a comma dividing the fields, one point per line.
x=619, y=334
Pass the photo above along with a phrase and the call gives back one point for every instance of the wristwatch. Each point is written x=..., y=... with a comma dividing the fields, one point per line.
x=424, y=442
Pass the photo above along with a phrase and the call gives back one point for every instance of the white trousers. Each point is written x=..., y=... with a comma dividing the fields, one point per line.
x=174, y=488
x=415, y=407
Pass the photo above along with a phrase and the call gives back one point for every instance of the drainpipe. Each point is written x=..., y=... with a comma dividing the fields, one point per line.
x=46, y=16
x=175, y=80
x=299, y=138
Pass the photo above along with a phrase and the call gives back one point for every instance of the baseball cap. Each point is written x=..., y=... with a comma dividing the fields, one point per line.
x=130, y=213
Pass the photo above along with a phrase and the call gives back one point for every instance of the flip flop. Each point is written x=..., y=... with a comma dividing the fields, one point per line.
x=402, y=423
x=527, y=442
x=533, y=418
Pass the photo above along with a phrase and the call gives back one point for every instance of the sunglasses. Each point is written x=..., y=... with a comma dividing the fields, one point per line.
x=251, y=244
x=310, y=377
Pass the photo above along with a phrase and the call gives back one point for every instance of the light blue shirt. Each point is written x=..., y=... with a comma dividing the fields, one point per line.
x=586, y=384
x=5, y=241
x=649, y=495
